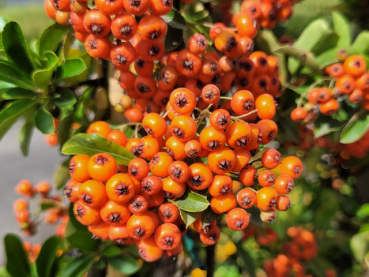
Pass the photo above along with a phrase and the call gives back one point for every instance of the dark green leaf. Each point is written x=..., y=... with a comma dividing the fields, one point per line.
x=77, y=267
x=249, y=263
x=101, y=263
x=47, y=256
x=355, y=128
x=191, y=202
x=62, y=174
x=361, y=44
x=25, y=136
x=51, y=37
x=65, y=126
x=188, y=217
x=46, y=206
x=83, y=240
x=300, y=56
x=91, y=144
x=43, y=76
x=124, y=263
x=194, y=12
x=359, y=245
x=11, y=74
x=112, y=251
x=325, y=125
x=44, y=121
x=16, y=47
x=208, y=216
x=11, y=113
x=17, y=262
x=342, y=28
x=75, y=223
x=64, y=98
x=71, y=68
x=175, y=19
x=173, y=39
x=19, y=93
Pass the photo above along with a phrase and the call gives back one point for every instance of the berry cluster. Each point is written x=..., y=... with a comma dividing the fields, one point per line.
x=57, y=210
x=32, y=250
x=351, y=82
x=303, y=247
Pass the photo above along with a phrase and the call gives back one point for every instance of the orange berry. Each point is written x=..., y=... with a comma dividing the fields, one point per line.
x=266, y=178
x=167, y=236
x=182, y=100
x=265, y=106
x=283, y=203
x=266, y=198
x=154, y=125
x=138, y=204
x=151, y=185
x=168, y=212
x=100, y=230
x=221, y=161
x=101, y=167
x=183, y=128
x=86, y=215
x=284, y=184
x=24, y=187
x=246, y=198
x=237, y=219
x=140, y=226
x=138, y=168
x=92, y=193
x=160, y=163
x=221, y=185
x=118, y=137
x=100, y=127
x=291, y=166
x=114, y=213
x=200, y=176
x=173, y=189
x=148, y=249
x=224, y=203
x=120, y=188
x=271, y=158
x=211, y=237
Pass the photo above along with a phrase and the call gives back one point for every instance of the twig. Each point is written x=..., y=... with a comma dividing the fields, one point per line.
x=237, y=118
x=166, y=113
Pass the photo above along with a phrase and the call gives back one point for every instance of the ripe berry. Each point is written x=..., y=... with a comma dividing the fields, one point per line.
x=212, y=139
x=160, y=163
x=298, y=114
x=271, y=158
x=148, y=249
x=114, y=213
x=140, y=226
x=101, y=167
x=120, y=188
x=220, y=185
x=167, y=236
x=291, y=166
x=118, y=137
x=182, y=100
x=120, y=235
x=200, y=176
x=266, y=178
x=220, y=119
x=92, y=193
x=183, y=128
x=100, y=230
x=168, y=212
x=138, y=168
x=175, y=148
x=192, y=148
x=221, y=161
x=238, y=134
x=237, y=219
x=283, y=203
x=43, y=188
x=24, y=187
x=78, y=168
x=246, y=198
x=173, y=189
x=110, y=7
x=100, y=127
x=211, y=237
x=138, y=204
x=151, y=185
x=265, y=106
x=86, y=215
x=248, y=175
x=242, y=102
x=179, y=172
x=268, y=130
x=266, y=198
x=223, y=204
x=284, y=184
x=97, y=23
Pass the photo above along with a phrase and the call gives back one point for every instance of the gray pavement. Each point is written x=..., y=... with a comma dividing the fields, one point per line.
x=40, y=165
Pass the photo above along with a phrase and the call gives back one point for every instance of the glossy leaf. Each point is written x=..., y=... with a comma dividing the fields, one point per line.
x=44, y=121
x=173, y=39
x=11, y=74
x=355, y=128
x=62, y=174
x=64, y=98
x=361, y=44
x=11, y=113
x=16, y=47
x=194, y=12
x=71, y=68
x=65, y=125
x=124, y=263
x=47, y=257
x=50, y=38
x=188, y=217
x=77, y=267
x=175, y=19
x=25, y=136
x=191, y=202
x=42, y=77
x=359, y=245
x=91, y=144
x=342, y=28
x=83, y=240
x=112, y=251
x=75, y=223
x=325, y=125
x=208, y=216
x=17, y=262
x=301, y=56
x=19, y=93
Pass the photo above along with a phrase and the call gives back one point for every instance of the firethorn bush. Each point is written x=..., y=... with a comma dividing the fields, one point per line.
x=188, y=128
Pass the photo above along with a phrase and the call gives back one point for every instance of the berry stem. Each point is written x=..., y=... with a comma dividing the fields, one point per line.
x=209, y=25
x=226, y=98
x=166, y=113
x=238, y=118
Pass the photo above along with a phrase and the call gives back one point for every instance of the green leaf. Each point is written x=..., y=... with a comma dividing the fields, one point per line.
x=19, y=93
x=3, y=271
x=11, y=113
x=11, y=74
x=44, y=121
x=75, y=223
x=25, y=136
x=208, y=216
x=328, y=41
x=188, y=217
x=91, y=144
x=16, y=47
x=65, y=125
x=361, y=43
x=83, y=240
x=17, y=262
x=112, y=251
x=71, y=68
x=194, y=12
x=300, y=56
x=342, y=28
x=47, y=256
x=363, y=211
x=47, y=206
x=191, y=202
x=173, y=39
x=328, y=57
x=249, y=263
x=325, y=125
x=124, y=263
x=62, y=174
x=78, y=267
x=355, y=128
x=359, y=245
x=51, y=37
x=64, y=98
x=175, y=19
x=42, y=77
